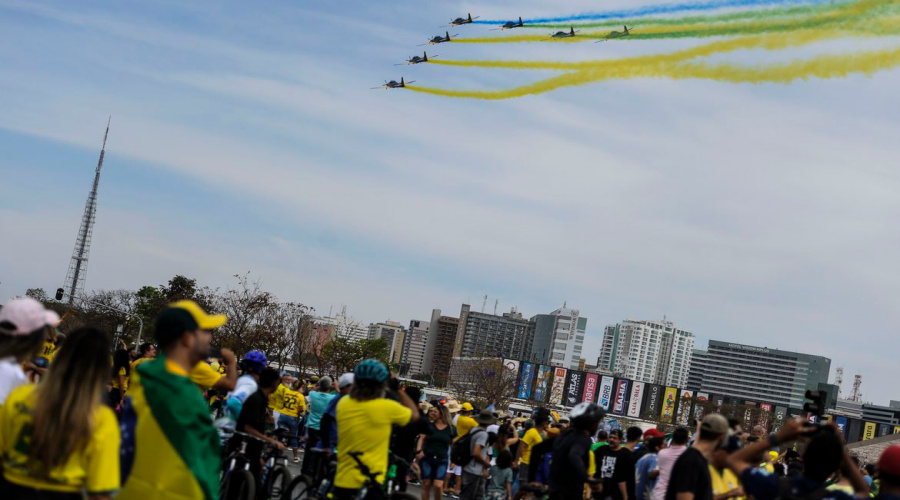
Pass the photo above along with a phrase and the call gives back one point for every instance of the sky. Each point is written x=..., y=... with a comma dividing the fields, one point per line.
x=245, y=138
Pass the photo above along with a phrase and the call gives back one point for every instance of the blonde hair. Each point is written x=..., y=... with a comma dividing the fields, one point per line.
x=65, y=401
x=444, y=414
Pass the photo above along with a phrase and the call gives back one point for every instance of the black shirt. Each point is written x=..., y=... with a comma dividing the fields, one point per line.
x=615, y=467
x=568, y=469
x=690, y=474
x=253, y=412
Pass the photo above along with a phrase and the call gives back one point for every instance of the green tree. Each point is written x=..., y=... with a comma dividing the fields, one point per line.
x=341, y=355
x=38, y=294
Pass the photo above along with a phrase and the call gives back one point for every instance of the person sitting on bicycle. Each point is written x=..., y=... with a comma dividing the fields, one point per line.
x=253, y=418
x=364, y=419
x=572, y=453
x=253, y=364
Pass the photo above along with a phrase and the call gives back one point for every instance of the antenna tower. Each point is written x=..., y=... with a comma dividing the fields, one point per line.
x=484, y=304
x=856, y=395
x=78, y=266
x=839, y=379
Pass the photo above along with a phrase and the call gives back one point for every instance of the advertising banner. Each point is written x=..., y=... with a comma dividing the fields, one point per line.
x=868, y=431
x=525, y=380
x=542, y=385
x=763, y=419
x=780, y=417
x=683, y=412
x=701, y=397
x=636, y=400
x=606, y=388
x=572, y=392
x=511, y=365
x=589, y=394
x=668, y=405
x=556, y=389
x=854, y=430
x=842, y=424
x=884, y=430
x=897, y=430
x=620, y=399
x=652, y=401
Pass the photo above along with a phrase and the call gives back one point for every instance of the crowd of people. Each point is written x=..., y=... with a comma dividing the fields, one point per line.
x=81, y=417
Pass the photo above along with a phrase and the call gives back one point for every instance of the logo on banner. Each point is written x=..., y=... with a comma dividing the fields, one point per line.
x=869, y=431
x=842, y=424
x=621, y=394
x=637, y=397
x=512, y=365
x=590, y=388
x=556, y=390
x=572, y=387
x=606, y=387
x=653, y=402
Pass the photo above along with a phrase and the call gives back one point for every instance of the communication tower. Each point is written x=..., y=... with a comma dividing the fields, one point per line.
x=77, y=273
x=856, y=395
x=839, y=379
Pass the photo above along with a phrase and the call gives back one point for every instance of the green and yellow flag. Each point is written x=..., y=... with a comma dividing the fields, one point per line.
x=176, y=451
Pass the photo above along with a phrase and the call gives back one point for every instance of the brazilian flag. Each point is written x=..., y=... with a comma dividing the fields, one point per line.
x=176, y=447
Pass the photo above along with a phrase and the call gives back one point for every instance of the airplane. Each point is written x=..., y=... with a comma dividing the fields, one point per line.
x=616, y=34
x=416, y=59
x=512, y=24
x=565, y=34
x=393, y=84
x=459, y=21
x=439, y=39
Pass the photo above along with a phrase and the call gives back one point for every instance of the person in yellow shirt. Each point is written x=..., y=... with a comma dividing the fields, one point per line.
x=725, y=483
x=276, y=399
x=58, y=438
x=532, y=437
x=364, y=420
x=175, y=445
x=207, y=377
x=289, y=418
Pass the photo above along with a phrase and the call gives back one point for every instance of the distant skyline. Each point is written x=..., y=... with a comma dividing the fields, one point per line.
x=245, y=138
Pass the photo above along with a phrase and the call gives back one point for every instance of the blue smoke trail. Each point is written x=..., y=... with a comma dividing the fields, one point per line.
x=651, y=10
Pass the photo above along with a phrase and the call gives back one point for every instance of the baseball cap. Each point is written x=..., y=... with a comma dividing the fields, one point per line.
x=714, y=423
x=345, y=380
x=25, y=316
x=184, y=316
x=653, y=433
x=467, y=406
x=204, y=321
x=889, y=462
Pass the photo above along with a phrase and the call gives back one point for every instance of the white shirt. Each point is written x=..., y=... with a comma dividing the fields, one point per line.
x=245, y=386
x=11, y=376
x=665, y=462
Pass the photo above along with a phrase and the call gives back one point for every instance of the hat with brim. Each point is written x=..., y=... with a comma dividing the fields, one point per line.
x=453, y=406
x=486, y=417
x=204, y=321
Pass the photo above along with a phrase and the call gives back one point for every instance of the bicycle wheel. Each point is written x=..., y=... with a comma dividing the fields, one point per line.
x=239, y=485
x=300, y=488
x=276, y=482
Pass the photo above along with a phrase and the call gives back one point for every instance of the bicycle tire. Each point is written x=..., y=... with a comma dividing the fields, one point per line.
x=239, y=485
x=300, y=488
x=276, y=482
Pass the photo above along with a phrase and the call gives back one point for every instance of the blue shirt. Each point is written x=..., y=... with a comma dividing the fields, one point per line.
x=646, y=464
x=318, y=402
x=761, y=484
x=330, y=410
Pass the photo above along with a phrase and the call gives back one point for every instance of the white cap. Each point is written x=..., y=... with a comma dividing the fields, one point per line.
x=25, y=316
x=345, y=380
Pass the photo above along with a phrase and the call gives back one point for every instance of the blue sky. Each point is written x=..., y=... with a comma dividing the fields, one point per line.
x=246, y=138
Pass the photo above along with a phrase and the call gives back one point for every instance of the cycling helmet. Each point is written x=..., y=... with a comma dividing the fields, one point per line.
x=254, y=361
x=371, y=369
x=586, y=413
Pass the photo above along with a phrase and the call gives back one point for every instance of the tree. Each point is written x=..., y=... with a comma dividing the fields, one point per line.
x=251, y=313
x=341, y=355
x=482, y=382
x=38, y=294
x=295, y=322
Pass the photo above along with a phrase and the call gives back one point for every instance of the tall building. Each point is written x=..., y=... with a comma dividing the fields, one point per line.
x=695, y=375
x=656, y=352
x=412, y=359
x=759, y=373
x=344, y=327
x=558, y=338
x=440, y=345
x=393, y=333
x=488, y=335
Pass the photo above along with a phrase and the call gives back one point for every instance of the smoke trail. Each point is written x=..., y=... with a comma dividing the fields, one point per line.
x=845, y=15
x=824, y=67
x=650, y=10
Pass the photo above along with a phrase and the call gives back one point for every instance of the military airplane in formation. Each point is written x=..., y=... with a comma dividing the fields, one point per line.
x=615, y=34
x=459, y=21
x=511, y=24
x=439, y=39
x=416, y=60
x=394, y=84
x=565, y=34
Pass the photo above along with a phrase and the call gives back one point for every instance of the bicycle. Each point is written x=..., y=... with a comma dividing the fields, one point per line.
x=304, y=487
x=372, y=484
x=237, y=482
x=276, y=475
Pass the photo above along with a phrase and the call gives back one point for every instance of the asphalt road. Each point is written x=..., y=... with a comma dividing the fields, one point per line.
x=412, y=489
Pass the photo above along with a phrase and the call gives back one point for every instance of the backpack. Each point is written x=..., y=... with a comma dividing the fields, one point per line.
x=461, y=451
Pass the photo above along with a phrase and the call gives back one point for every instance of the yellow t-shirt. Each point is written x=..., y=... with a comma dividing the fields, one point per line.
x=532, y=437
x=365, y=426
x=276, y=399
x=48, y=351
x=115, y=380
x=95, y=468
x=292, y=402
x=724, y=482
x=203, y=375
x=464, y=424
